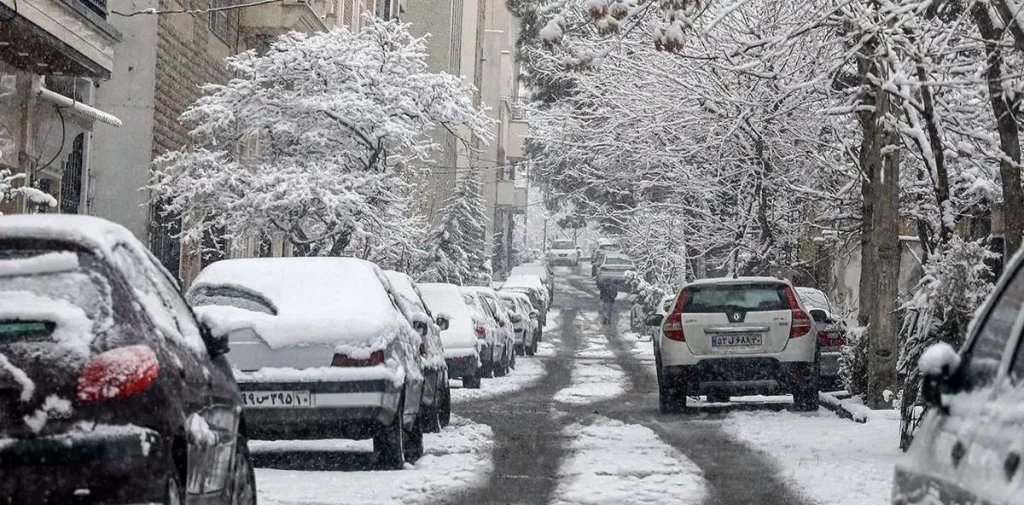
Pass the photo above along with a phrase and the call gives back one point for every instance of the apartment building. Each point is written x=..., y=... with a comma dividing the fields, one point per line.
x=50, y=52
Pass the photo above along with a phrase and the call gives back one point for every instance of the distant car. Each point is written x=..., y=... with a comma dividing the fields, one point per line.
x=967, y=448
x=461, y=344
x=533, y=288
x=736, y=335
x=506, y=331
x=524, y=320
x=320, y=349
x=495, y=344
x=599, y=254
x=612, y=270
x=110, y=390
x=437, y=397
x=831, y=331
x=541, y=271
x=563, y=252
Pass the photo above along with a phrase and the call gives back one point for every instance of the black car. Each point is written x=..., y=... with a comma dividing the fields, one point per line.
x=110, y=391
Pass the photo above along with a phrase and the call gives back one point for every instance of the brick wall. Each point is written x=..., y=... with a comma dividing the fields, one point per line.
x=188, y=56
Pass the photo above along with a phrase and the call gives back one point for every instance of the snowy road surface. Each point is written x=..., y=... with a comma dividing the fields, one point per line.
x=579, y=425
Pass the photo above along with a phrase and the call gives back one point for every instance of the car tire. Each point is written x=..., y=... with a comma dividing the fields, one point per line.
x=805, y=396
x=430, y=420
x=471, y=382
x=512, y=361
x=413, y=447
x=670, y=401
x=445, y=416
x=243, y=486
x=718, y=396
x=532, y=348
x=486, y=371
x=520, y=350
x=499, y=368
x=175, y=494
x=389, y=443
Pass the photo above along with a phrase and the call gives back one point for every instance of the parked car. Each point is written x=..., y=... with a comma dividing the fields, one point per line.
x=436, y=411
x=461, y=342
x=110, y=389
x=505, y=330
x=831, y=332
x=493, y=339
x=967, y=448
x=541, y=271
x=524, y=320
x=563, y=252
x=602, y=250
x=531, y=287
x=320, y=350
x=736, y=335
x=612, y=270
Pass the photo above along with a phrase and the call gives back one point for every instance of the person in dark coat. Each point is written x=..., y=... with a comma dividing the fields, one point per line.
x=608, y=293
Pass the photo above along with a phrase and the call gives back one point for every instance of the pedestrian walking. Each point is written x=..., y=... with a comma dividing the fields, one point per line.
x=608, y=292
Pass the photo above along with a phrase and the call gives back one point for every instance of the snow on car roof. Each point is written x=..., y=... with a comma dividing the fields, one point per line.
x=403, y=286
x=319, y=300
x=530, y=269
x=736, y=280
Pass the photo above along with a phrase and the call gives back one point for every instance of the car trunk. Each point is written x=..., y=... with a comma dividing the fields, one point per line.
x=37, y=377
x=249, y=353
x=734, y=319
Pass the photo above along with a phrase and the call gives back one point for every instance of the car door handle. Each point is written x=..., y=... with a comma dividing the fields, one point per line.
x=1011, y=465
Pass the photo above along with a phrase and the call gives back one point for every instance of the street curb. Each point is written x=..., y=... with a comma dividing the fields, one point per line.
x=835, y=405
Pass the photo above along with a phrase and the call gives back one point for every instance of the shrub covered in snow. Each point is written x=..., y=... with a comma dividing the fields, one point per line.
x=853, y=361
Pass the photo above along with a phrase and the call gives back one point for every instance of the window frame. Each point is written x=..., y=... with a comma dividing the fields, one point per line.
x=1013, y=341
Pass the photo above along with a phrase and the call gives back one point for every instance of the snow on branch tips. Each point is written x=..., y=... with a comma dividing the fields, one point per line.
x=316, y=150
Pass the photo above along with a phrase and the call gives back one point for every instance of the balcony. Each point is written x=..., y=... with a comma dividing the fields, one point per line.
x=273, y=19
x=58, y=37
x=510, y=195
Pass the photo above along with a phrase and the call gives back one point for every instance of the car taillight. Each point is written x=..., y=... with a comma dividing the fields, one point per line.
x=376, y=358
x=117, y=373
x=672, y=328
x=830, y=339
x=480, y=333
x=801, y=321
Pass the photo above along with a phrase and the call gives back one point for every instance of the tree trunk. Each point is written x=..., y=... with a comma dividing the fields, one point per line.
x=1009, y=16
x=868, y=158
x=883, y=340
x=1009, y=135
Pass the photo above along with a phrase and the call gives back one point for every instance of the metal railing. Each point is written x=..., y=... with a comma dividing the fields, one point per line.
x=516, y=108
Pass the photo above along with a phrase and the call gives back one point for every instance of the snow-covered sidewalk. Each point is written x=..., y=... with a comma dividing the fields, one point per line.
x=832, y=461
x=528, y=373
x=456, y=459
x=611, y=462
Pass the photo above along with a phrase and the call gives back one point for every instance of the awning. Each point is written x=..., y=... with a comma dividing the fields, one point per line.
x=79, y=107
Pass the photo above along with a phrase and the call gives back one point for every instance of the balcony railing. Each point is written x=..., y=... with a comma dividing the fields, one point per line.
x=516, y=108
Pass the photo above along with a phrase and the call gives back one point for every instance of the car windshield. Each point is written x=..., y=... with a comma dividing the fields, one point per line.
x=231, y=296
x=615, y=261
x=562, y=244
x=729, y=297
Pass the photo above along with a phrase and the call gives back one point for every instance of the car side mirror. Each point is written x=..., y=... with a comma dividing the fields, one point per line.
x=421, y=327
x=654, y=320
x=534, y=314
x=443, y=322
x=819, y=316
x=939, y=365
x=217, y=344
x=516, y=318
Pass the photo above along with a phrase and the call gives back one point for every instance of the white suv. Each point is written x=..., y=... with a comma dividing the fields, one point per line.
x=741, y=335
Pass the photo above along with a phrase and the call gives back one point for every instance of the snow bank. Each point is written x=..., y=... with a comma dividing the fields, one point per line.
x=611, y=462
x=592, y=383
x=527, y=374
x=828, y=459
x=456, y=459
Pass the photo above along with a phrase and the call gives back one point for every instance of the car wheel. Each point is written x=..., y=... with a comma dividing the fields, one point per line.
x=446, y=405
x=471, y=382
x=532, y=348
x=718, y=396
x=670, y=401
x=430, y=422
x=486, y=371
x=520, y=350
x=413, y=443
x=243, y=486
x=805, y=396
x=389, y=444
x=175, y=491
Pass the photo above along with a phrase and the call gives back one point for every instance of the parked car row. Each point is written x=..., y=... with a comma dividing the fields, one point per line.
x=117, y=387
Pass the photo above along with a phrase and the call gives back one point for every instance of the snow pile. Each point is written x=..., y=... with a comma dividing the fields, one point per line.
x=527, y=374
x=592, y=383
x=939, y=360
x=832, y=460
x=54, y=406
x=611, y=462
x=72, y=329
x=28, y=388
x=43, y=264
x=456, y=459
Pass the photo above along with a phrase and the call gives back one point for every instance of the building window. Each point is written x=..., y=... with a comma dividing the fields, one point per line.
x=219, y=19
x=71, y=181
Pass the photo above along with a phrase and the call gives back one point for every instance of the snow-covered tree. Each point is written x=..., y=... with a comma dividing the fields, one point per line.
x=10, y=191
x=312, y=141
x=456, y=254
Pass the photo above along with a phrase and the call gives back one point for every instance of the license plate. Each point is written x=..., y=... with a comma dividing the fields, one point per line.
x=277, y=399
x=737, y=340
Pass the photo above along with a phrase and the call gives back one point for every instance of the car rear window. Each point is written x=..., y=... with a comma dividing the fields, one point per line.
x=231, y=296
x=617, y=261
x=562, y=244
x=727, y=297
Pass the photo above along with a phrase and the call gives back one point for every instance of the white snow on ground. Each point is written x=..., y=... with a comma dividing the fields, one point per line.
x=456, y=459
x=593, y=382
x=830, y=460
x=528, y=373
x=640, y=346
x=610, y=462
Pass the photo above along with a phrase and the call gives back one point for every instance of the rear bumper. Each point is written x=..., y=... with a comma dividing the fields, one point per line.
x=747, y=375
x=464, y=366
x=116, y=467
x=354, y=410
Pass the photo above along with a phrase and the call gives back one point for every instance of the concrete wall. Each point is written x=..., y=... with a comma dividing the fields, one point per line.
x=121, y=158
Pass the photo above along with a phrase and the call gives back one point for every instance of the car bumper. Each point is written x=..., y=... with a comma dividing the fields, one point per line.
x=462, y=366
x=116, y=467
x=355, y=410
x=562, y=260
x=747, y=375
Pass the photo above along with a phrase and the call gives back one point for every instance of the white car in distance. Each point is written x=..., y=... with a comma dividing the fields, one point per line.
x=563, y=252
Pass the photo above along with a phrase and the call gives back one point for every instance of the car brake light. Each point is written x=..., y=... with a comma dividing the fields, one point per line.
x=672, y=328
x=830, y=339
x=801, y=324
x=342, y=360
x=480, y=333
x=117, y=373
